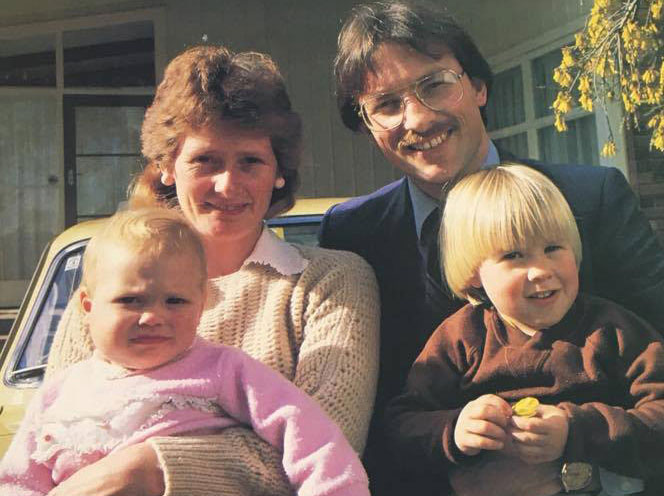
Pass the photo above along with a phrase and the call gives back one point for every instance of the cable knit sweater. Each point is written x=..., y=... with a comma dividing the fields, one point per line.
x=309, y=313
x=94, y=407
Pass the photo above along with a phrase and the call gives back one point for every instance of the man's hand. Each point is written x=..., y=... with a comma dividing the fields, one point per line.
x=133, y=471
x=541, y=438
x=482, y=425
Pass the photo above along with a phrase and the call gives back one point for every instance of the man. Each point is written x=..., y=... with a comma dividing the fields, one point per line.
x=414, y=82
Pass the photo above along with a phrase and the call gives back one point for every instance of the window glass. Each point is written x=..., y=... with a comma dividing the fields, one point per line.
x=108, y=155
x=28, y=61
x=516, y=144
x=505, y=107
x=60, y=286
x=544, y=86
x=115, y=56
x=578, y=145
x=30, y=183
x=102, y=184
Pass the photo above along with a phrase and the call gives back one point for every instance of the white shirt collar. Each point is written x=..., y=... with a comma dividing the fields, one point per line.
x=275, y=252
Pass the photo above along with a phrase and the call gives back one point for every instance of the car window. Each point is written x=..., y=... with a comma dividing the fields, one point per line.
x=62, y=280
x=298, y=229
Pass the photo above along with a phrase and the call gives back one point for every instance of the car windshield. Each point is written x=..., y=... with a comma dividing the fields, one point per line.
x=61, y=281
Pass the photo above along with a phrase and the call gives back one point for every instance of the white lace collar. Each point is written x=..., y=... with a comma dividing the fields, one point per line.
x=275, y=252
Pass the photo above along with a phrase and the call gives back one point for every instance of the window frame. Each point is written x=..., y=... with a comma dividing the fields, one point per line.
x=523, y=56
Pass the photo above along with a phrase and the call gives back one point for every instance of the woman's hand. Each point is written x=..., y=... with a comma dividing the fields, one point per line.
x=482, y=425
x=541, y=438
x=133, y=471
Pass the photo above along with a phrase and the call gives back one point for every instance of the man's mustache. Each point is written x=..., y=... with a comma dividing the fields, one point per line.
x=411, y=137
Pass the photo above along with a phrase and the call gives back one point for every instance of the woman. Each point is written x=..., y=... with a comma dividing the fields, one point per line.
x=222, y=143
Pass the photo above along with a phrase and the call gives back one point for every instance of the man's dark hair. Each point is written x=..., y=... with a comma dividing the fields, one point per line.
x=426, y=29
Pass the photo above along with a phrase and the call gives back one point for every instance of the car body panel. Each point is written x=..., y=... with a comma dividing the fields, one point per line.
x=47, y=295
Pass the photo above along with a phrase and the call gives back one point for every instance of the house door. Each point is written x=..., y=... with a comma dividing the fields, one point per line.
x=102, y=152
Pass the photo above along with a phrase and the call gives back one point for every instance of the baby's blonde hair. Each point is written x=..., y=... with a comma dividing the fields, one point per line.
x=154, y=231
x=498, y=210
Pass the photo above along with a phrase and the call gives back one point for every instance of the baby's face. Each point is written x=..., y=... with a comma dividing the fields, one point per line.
x=144, y=309
x=534, y=287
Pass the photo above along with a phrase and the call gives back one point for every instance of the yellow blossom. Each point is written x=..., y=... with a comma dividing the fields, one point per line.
x=579, y=41
x=653, y=95
x=619, y=56
x=562, y=77
x=657, y=140
x=586, y=102
x=609, y=149
x=653, y=122
x=568, y=59
x=630, y=33
x=584, y=84
x=559, y=123
x=627, y=103
x=600, y=66
x=649, y=76
x=597, y=27
x=563, y=103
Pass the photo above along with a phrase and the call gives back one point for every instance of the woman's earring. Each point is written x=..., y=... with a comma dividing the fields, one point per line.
x=279, y=183
x=167, y=178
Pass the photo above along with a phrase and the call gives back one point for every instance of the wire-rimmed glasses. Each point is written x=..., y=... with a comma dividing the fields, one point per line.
x=436, y=91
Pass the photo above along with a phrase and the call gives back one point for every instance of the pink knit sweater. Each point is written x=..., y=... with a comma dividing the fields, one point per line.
x=93, y=408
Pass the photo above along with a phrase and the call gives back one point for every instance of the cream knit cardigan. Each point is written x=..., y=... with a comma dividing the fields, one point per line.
x=318, y=328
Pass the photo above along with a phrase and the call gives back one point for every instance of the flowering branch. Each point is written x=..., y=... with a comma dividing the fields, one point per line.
x=618, y=55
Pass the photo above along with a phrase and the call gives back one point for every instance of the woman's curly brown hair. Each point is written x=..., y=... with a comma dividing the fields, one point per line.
x=206, y=85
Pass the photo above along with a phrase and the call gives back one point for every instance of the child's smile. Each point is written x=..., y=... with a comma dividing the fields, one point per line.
x=532, y=287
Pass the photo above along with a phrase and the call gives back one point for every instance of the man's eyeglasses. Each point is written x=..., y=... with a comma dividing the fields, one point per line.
x=437, y=91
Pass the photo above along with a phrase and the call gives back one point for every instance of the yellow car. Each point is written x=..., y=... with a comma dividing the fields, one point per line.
x=58, y=274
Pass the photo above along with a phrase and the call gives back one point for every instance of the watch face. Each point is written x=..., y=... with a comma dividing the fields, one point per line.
x=576, y=475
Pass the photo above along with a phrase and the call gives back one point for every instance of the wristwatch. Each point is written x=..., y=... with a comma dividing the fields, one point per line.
x=576, y=476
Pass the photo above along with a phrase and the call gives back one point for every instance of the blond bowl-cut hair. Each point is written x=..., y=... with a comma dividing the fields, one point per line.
x=155, y=231
x=499, y=210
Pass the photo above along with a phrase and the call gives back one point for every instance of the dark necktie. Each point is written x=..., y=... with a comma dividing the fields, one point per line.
x=429, y=245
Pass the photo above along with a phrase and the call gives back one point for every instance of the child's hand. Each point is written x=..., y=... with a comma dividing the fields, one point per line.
x=482, y=425
x=541, y=438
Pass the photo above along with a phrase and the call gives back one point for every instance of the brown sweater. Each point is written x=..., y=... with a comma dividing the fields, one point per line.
x=601, y=364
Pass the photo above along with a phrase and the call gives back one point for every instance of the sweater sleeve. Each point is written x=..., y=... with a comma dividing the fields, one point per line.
x=335, y=303
x=338, y=358
x=626, y=436
x=420, y=422
x=317, y=458
x=20, y=474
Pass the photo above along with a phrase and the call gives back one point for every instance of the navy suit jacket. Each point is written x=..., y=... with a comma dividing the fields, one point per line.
x=622, y=261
